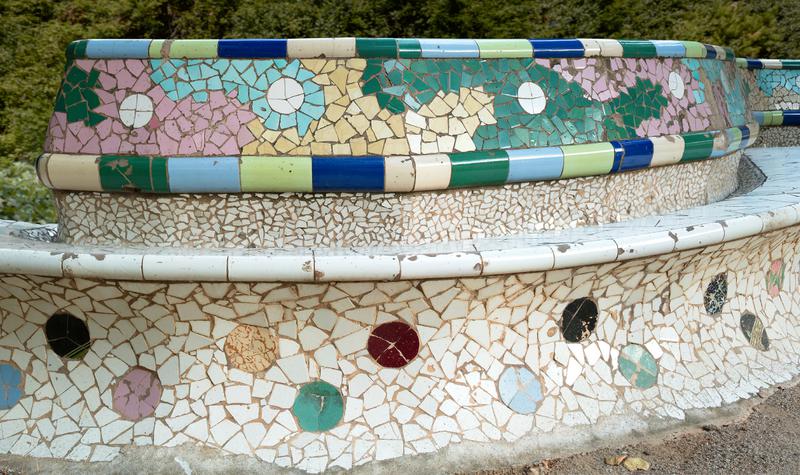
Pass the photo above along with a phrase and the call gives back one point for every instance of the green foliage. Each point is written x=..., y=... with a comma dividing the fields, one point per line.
x=35, y=33
x=22, y=197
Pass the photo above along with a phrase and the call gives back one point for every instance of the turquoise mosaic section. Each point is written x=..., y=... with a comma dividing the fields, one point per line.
x=251, y=80
x=712, y=74
x=770, y=79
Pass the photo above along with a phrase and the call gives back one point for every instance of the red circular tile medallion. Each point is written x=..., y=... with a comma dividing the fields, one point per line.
x=393, y=344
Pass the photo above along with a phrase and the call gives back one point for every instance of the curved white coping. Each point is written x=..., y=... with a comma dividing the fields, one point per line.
x=774, y=205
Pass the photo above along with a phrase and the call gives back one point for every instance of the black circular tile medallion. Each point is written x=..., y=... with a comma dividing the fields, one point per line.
x=579, y=319
x=68, y=336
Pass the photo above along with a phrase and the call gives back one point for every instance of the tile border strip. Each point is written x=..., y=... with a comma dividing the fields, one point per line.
x=375, y=173
x=391, y=48
x=777, y=117
x=773, y=206
x=751, y=63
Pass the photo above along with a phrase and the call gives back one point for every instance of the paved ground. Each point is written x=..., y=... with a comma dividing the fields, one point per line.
x=764, y=439
x=767, y=441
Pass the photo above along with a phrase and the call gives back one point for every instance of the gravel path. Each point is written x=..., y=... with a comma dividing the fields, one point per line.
x=767, y=441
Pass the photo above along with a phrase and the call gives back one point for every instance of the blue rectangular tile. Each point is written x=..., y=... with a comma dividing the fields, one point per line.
x=446, y=48
x=711, y=53
x=745, y=136
x=669, y=48
x=132, y=49
x=535, y=164
x=619, y=152
x=347, y=173
x=791, y=117
x=270, y=48
x=638, y=154
x=565, y=48
x=203, y=174
x=754, y=64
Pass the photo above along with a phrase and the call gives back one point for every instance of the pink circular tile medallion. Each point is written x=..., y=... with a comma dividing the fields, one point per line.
x=137, y=394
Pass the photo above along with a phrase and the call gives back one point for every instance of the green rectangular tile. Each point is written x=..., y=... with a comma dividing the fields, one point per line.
x=408, y=48
x=133, y=173
x=154, y=50
x=697, y=146
x=505, y=48
x=638, y=49
x=193, y=49
x=159, y=175
x=587, y=159
x=694, y=49
x=276, y=174
x=376, y=47
x=478, y=168
x=790, y=63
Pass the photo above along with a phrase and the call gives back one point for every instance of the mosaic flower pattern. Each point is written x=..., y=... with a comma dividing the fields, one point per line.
x=362, y=106
x=137, y=394
x=280, y=92
x=10, y=386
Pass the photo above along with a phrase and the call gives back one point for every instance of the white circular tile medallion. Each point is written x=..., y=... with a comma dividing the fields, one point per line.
x=676, y=85
x=531, y=97
x=285, y=96
x=136, y=110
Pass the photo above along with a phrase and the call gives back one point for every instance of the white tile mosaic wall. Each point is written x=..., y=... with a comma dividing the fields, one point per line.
x=200, y=339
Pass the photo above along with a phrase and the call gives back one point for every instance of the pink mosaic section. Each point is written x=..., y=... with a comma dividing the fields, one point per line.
x=185, y=127
x=604, y=83
x=137, y=394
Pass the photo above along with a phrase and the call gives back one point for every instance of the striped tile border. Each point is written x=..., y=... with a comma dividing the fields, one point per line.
x=392, y=48
x=749, y=63
x=784, y=117
x=375, y=173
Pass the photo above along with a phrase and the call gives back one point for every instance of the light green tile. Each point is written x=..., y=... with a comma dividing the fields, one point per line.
x=587, y=159
x=694, y=49
x=505, y=48
x=193, y=49
x=275, y=174
x=154, y=51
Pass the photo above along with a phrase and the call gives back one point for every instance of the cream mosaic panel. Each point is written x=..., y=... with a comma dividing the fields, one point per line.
x=470, y=330
x=292, y=220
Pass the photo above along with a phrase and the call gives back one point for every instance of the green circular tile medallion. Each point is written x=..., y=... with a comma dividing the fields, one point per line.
x=318, y=407
x=638, y=366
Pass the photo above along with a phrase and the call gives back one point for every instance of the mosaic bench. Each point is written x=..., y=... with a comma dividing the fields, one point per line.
x=325, y=253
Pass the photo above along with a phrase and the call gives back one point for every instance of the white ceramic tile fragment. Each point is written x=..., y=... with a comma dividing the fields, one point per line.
x=107, y=265
x=329, y=266
x=699, y=235
x=30, y=261
x=419, y=266
x=574, y=254
x=509, y=261
x=644, y=245
x=272, y=266
x=182, y=267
